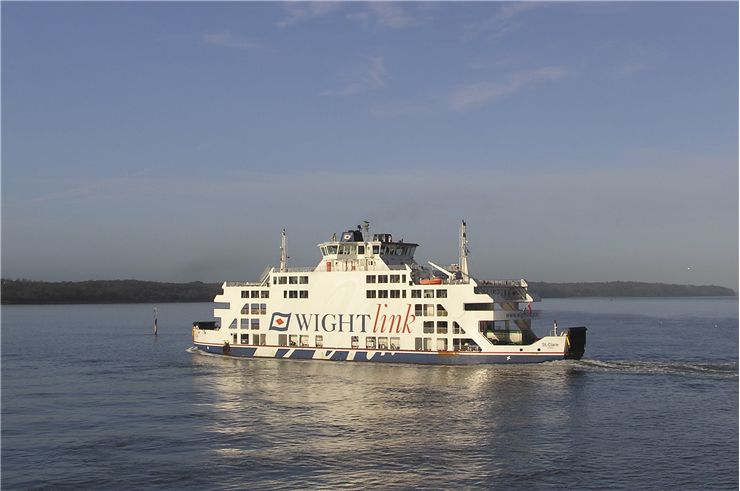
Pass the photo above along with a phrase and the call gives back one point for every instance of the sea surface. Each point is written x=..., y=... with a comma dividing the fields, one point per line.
x=92, y=400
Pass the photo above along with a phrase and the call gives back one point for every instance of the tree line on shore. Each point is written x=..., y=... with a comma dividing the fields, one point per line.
x=22, y=291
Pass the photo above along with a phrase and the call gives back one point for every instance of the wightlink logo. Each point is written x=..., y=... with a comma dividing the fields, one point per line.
x=381, y=321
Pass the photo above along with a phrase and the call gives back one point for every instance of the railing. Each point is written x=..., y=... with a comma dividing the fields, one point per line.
x=509, y=283
x=242, y=283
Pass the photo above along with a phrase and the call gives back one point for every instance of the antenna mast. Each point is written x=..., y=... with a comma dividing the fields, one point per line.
x=283, y=253
x=464, y=251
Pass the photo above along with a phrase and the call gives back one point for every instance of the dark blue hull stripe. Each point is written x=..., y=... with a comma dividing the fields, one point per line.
x=382, y=357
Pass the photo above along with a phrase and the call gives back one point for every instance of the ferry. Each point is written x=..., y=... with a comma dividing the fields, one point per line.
x=368, y=300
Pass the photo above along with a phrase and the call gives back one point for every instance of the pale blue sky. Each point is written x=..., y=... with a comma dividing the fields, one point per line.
x=173, y=141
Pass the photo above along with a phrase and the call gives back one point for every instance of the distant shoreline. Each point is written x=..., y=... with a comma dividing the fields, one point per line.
x=28, y=292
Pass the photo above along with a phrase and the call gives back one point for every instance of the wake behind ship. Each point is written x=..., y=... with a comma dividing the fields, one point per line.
x=369, y=300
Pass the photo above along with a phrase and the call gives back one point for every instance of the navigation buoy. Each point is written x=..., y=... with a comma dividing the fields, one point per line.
x=155, y=321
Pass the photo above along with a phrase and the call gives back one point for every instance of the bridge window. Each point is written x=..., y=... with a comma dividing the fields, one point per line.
x=292, y=280
x=255, y=294
x=303, y=280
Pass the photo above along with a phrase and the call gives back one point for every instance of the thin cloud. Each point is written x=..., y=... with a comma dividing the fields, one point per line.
x=480, y=94
x=298, y=12
x=367, y=75
x=386, y=14
x=229, y=40
x=499, y=24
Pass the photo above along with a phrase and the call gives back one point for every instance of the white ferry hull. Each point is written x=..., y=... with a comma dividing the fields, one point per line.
x=369, y=301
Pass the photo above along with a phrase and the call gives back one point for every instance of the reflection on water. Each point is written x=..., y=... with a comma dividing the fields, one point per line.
x=377, y=424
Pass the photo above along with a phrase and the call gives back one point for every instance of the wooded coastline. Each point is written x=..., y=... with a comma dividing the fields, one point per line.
x=22, y=291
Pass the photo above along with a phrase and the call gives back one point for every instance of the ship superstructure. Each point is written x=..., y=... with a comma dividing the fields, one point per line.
x=369, y=300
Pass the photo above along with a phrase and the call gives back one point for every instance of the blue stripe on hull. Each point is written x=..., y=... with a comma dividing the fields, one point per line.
x=425, y=358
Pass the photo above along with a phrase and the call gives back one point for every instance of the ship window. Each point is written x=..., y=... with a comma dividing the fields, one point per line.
x=370, y=342
x=282, y=340
x=285, y=293
x=395, y=343
x=395, y=294
x=371, y=294
x=255, y=339
x=428, y=293
x=303, y=294
x=370, y=278
x=282, y=280
x=332, y=249
x=245, y=294
x=293, y=340
x=441, y=344
x=263, y=339
x=263, y=308
x=382, y=293
x=427, y=344
x=441, y=311
x=484, y=326
x=403, y=278
x=355, y=342
x=441, y=293
x=403, y=293
x=441, y=327
x=376, y=249
x=244, y=324
x=255, y=308
x=382, y=278
x=245, y=309
x=244, y=339
x=293, y=294
x=323, y=251
x=428, y=327
x=265, y=294
x=361, y=249
x=419, y=310
x=456, y=329
x=429, y=309
x=255, y=323
x=233, y=324
x=382, y=343
x=304, y=340
x=479, y=306
x=395, y=278
x=319, y=341
x=303, y=280
x=418, y=344
x=255, y=294
x=292, y=280
x=415, y=293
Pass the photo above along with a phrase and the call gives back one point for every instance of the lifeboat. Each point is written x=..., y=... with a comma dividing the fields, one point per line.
x=431, y=281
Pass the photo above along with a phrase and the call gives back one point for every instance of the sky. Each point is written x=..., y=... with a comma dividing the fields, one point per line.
x=173, y=141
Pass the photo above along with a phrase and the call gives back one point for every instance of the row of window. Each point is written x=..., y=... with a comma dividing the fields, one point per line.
x=245, y=324
x=256, y=309
x=386, y=293
x=441, y=293
x=428, y=310
x=442, y=327
x=290, y=280
x=384, y=278
x=442, y=344
x=295, y=294
x=371, y=342
x=255, y=294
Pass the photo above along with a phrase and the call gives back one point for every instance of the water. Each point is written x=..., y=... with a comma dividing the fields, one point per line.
x=91, y=400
